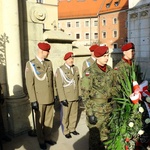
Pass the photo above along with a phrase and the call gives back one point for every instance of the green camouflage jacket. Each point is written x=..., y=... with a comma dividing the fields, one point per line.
x=94, y=87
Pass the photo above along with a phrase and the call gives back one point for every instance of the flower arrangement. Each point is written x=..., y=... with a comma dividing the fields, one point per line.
x=125, y=122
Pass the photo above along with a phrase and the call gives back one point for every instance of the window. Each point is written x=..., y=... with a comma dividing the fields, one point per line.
x=86, y=23
x=39, y=1
x=68, y=24
x=107, y=5
x=95, y=35
x=116, y=3
x=95, y=23
x=115, y=45
x=104, y=34
x=114, y=20
x=77, y=24
x=87, y=36
x=103, y=22
x=115, y=34
x=77, y=36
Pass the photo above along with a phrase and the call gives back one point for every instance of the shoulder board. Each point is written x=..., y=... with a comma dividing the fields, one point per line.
x=31, y=60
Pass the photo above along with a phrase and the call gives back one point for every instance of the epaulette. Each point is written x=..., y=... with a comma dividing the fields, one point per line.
x=32, y=60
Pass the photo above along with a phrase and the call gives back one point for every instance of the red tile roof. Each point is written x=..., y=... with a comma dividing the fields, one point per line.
x=114, y=5
x=87, y=8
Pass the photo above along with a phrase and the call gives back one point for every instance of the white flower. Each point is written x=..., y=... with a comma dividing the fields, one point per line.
x=141, y=110
x=131, y=124
x=141, y=132
x=147, y=121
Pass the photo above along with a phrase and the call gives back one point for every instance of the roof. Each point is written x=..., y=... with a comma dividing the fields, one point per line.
x=113, y=5
x=88, y=8
x=78, y=8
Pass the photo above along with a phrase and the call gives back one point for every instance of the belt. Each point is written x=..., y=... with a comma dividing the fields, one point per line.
x=99, y=100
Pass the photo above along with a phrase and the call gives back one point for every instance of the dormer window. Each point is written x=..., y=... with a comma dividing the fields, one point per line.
x=107, y=5
x=116, y=3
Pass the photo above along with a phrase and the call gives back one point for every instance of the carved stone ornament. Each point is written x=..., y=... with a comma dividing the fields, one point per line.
x=134, y=15
x=37, y=14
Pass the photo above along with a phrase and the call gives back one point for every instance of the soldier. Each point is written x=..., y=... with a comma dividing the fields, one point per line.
x=95, y=98
x=124, y=65
x=41, y=90
x=67, y=81
x=88, y=62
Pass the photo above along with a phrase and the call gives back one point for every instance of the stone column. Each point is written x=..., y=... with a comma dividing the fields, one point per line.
x=17, y=103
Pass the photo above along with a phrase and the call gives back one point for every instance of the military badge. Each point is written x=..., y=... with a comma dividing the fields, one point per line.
x=87, y=73
x=116, y=68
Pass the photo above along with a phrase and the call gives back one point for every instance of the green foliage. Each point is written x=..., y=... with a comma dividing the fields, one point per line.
x=126, y=113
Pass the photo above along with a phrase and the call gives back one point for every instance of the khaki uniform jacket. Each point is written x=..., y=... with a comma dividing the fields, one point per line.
x=40, y=81
x=87, y=63
x=68, y=83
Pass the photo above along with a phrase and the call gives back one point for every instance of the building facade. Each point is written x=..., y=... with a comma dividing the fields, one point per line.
x=139, y=33
x=23, y=25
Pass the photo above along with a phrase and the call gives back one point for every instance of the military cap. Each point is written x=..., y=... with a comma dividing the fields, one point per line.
x=127, y=46
x=68, y=55
x=44, y=46
x=100, y=51
x=93, y=47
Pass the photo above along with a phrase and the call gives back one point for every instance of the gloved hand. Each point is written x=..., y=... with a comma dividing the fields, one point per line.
x=92, y=120
x=65, y=103
x=35, y=105
x=79, y=98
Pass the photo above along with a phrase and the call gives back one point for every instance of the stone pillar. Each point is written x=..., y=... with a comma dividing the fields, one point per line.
x=17, y=104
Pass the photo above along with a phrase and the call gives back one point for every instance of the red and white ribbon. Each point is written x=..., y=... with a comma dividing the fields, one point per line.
x=136, y=95
x=144, y=88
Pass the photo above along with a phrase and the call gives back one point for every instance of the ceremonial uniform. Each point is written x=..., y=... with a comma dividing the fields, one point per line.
x=88, y=62
x=96, y=101
x=41, y=89
x=67, y=83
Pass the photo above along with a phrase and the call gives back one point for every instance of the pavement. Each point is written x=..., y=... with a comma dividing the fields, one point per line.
x=77, y=142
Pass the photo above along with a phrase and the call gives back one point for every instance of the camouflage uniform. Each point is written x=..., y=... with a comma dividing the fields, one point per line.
x=115, y=77
x=95, y=99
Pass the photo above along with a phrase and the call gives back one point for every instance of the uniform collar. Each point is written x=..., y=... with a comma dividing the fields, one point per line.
x=40, y=60
x=127, y=61
x=103, y=68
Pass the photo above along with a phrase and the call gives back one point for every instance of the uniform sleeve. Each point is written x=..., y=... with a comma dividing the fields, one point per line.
x=79, y=80
x=85, y=85
x=83, y=67
x=59, y=86
x=30, y=82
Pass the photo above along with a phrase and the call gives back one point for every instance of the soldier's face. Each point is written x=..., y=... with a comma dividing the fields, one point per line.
x=70, y=61
x=129, y=55
x=103, y=59
x=45, y=54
